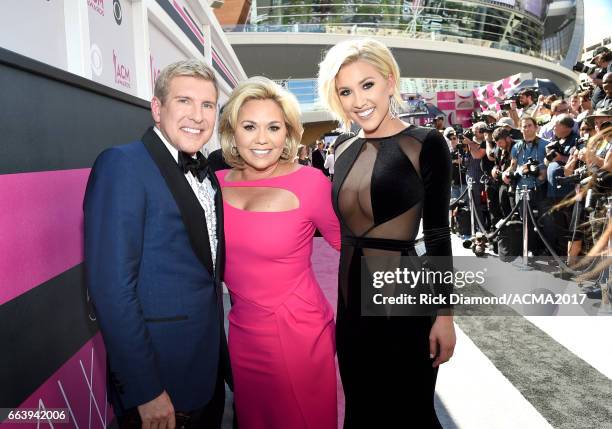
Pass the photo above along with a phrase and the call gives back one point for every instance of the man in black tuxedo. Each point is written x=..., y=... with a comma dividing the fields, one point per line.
x=154, y=252
x=318, y=157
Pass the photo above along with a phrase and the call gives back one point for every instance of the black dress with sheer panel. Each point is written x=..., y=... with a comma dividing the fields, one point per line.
x=382, y=189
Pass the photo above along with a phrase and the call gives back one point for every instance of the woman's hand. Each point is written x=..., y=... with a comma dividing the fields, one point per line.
x=442, y=340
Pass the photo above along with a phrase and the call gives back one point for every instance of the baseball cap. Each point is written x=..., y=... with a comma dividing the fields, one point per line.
x=490, y=113
x=599, y=51
x=506, y=122
x=448, y=131
x=439, y=116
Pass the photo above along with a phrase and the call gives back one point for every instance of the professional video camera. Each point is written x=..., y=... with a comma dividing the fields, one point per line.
x=552, y=149
x=581, y=67
x=507, y=103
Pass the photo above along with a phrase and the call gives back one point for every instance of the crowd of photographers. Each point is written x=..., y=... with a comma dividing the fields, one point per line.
x=558, y=149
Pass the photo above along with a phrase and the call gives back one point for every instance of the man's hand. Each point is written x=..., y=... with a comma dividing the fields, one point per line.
x=158, y=413
x=494, y=172
x=506, y=177
x=442, y=340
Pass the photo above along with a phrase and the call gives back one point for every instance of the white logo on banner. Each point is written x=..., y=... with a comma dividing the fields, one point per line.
x=96, y=60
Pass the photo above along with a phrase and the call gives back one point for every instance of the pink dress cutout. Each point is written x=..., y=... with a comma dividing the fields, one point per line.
x=281, y=334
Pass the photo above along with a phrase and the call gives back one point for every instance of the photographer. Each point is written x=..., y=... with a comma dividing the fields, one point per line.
x=499, y=198
x=602, y=58
x=555, y=223
x=606, y=102
x=557, y=153
x=586, y=106
x=558, y=108
x=527, y=102
x=595, y=156
x=602, y=119
x=476, y=149
x=458, y=162
x=527, y=169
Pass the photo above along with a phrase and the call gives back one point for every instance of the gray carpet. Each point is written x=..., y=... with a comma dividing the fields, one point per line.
x=565, y=390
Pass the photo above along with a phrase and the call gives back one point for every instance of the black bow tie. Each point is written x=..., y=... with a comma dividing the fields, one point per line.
x=197, y=166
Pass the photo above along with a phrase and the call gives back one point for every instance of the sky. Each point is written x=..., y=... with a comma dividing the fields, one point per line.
x=597, y=19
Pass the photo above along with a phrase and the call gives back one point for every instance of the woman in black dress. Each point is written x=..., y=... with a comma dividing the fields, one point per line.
x=387, y=179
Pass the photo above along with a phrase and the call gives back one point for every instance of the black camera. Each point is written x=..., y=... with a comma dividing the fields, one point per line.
x=469, y=134
x=552, y=149
x=530, y=168
x=507, y=102
x=579, y=175
x=581, y=67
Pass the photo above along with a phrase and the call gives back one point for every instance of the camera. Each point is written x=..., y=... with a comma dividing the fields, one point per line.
x=581, y=67
x=530, y=168
x=508, y=101
x=579, y=175
x=469, y=134
x=552, y=149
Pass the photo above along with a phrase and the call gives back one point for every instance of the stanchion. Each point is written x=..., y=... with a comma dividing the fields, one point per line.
x=472, y=207
x=525, y=201
x=606, y=284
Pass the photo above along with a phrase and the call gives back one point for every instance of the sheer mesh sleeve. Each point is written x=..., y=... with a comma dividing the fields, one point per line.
x=436, y=174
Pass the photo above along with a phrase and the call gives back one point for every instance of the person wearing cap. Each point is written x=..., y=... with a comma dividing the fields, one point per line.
x=489, y=117
x=439, y=122
x=602, y=119
x=555, y=223
x=606, y=102
x=602, y=58
x=498, y=192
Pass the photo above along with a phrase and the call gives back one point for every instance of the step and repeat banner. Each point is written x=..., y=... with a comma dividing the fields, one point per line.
x=53, y=125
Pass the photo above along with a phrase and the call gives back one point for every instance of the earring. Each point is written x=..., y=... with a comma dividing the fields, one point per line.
x=394, y=107
x=234, y=151
x=285, y=152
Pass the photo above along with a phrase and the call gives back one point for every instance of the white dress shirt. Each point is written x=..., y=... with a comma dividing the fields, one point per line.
x=205, y=194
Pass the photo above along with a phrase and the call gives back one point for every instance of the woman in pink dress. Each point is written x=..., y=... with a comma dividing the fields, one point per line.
x=281, y=335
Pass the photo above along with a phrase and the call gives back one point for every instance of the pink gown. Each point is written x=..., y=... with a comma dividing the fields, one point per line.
x=281, y=334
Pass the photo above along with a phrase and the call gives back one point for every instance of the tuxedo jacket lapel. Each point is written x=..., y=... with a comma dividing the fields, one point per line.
x=192, y=212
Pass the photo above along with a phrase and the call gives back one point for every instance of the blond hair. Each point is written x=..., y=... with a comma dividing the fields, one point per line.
x=346, y=52
x=190, y=68
x=260, y=88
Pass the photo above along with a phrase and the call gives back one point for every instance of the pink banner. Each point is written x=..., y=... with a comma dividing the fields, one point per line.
x=41, y=227
x=79, y=387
